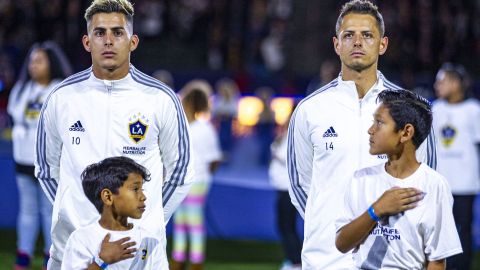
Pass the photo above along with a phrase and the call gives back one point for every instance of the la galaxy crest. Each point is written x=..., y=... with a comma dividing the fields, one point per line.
x=137, y=127
x=448, y=135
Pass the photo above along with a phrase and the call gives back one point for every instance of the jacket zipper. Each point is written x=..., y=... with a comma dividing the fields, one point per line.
x=109, y=86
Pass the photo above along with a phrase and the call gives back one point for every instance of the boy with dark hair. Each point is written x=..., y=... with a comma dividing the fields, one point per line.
x=114, y=186
x=388, y=218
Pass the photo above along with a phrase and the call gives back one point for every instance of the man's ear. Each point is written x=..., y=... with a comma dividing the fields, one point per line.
x=86, y=43
x=335, y=45
x=107, y=196
x=407, y=133
x=383, y=45
x=134, y=42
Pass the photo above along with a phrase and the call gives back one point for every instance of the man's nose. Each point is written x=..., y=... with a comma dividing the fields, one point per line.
x=108, y=39
x=357, y=40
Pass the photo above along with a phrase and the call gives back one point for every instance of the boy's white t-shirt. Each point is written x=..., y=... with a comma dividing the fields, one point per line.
x=406, y=240
x=84, y=244
x=457, y=128
x=206, y=148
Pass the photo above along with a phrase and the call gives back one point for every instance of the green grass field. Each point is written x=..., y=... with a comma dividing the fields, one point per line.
x=221, y=254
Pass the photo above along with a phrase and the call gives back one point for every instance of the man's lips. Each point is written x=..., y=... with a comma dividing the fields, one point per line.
x=357, y=54
x=108, y=54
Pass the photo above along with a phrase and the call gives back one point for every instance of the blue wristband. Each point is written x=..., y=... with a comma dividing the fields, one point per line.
x=371, y=213
x=100, y=263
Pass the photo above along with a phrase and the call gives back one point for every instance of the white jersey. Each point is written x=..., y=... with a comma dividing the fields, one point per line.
x=86, y=120
x=277, y=171
x=457, y=127
x=327, y=143
x=84, y=245
x=409, y=239
x=206, y=148
x=24, y=105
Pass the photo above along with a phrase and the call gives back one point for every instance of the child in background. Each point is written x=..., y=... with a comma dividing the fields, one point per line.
x=398, y=214
x=457, y=128
x=114, y=186
x=189, y=217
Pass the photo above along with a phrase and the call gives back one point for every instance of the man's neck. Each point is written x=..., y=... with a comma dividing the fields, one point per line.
x=110, y=74
x=364, y=80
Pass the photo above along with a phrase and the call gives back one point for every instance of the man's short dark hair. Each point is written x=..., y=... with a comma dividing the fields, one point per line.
x=109, y=173
x=110, y=6
x=361, y=7
x=406, y=107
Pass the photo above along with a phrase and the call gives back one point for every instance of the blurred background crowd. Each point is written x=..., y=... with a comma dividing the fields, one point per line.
x=279, y=43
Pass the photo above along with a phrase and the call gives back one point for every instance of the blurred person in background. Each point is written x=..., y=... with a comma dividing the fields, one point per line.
x=266, y=124
x=188, y=222
x=44, y=67
x=328, y=72
x=164, y=76
x=328, y=139
x=456, y=120
x=285, y=211
x=224, y=111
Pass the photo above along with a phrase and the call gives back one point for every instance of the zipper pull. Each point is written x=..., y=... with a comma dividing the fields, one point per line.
x=109, y=86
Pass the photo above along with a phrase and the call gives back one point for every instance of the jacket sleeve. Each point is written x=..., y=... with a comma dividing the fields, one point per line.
x=175, y=148
x=299, y=160
x=48, y=150
x=427, y=152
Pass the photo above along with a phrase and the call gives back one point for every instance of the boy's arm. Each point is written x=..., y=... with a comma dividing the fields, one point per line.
x=393, y=201
x=352, y=234
x=436, y=265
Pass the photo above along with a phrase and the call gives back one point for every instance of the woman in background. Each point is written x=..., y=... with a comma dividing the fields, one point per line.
x=44, y=67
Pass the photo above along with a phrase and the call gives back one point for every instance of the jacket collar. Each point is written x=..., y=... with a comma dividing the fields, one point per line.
x=112, y=85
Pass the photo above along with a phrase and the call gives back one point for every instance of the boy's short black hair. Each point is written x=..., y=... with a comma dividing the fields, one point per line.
x=109, y=173
x=406, y=107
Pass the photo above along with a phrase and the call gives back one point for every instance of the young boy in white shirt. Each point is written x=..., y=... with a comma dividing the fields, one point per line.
x=398, y=215
x=114, y=186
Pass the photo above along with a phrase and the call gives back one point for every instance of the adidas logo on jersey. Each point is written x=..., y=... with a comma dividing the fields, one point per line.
x=330, y=133
x=77, y=127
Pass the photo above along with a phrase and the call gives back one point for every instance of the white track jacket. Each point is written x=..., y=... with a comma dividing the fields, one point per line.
x=87, y=119
x=327, y=143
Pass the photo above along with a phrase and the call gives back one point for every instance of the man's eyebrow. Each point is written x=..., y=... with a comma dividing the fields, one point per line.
x=99, y=28
x=352, y=31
